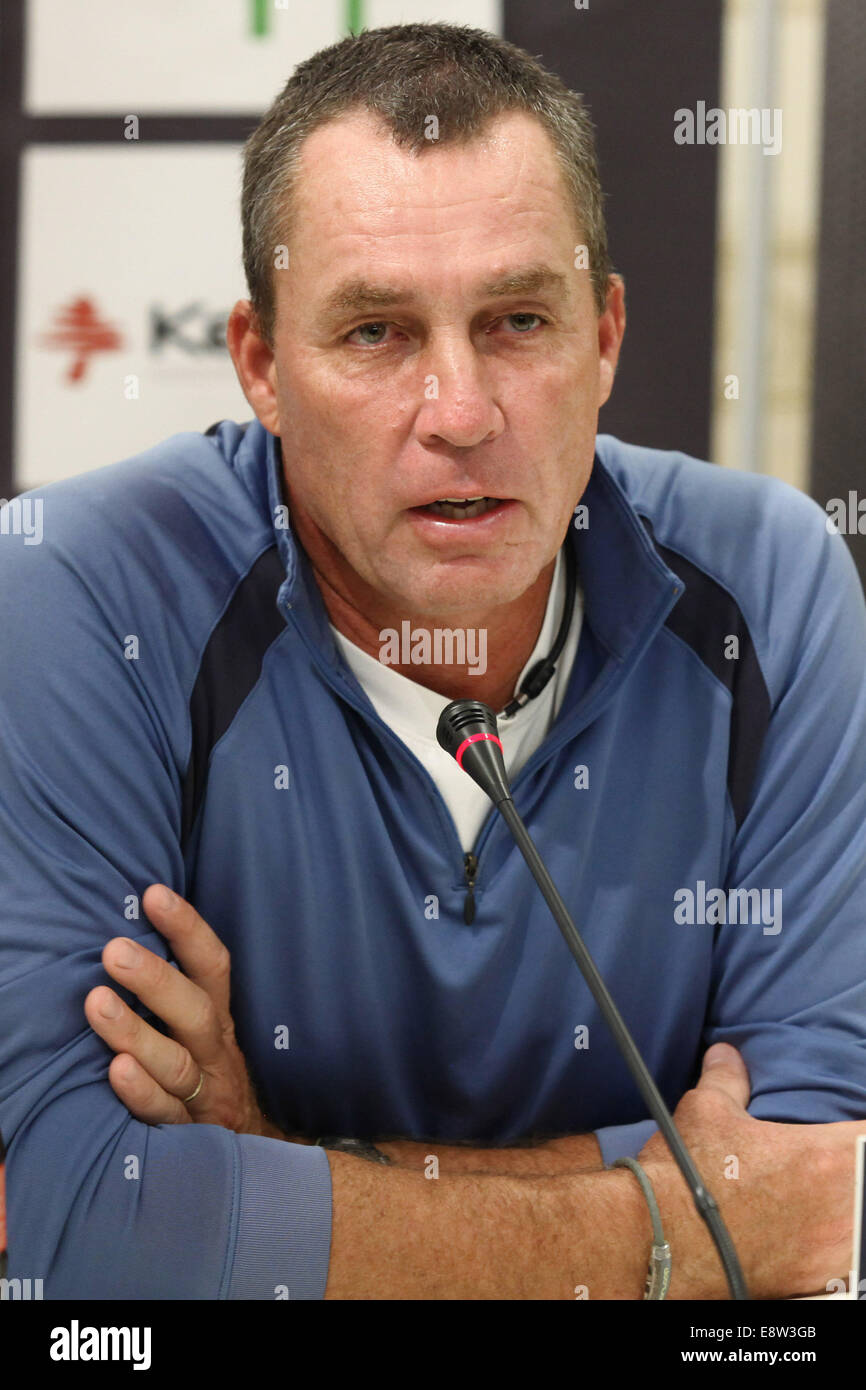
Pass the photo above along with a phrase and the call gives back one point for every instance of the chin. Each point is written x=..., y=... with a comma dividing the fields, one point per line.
x=467, y=587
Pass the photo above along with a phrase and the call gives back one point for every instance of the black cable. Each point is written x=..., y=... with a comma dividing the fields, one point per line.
x=467, y=730
x=704, y=1201
x=543, y=670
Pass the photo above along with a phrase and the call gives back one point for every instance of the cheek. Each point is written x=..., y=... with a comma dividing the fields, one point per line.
x=556, y=421
x=335, y=419
x=565, y=386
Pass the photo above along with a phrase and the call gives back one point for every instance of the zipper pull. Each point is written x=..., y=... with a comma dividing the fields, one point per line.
x=470, y=866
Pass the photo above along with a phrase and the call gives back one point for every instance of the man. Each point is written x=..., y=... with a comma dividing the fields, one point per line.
x=207, y=692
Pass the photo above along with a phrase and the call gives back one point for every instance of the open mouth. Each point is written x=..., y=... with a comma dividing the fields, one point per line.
x=461, y=509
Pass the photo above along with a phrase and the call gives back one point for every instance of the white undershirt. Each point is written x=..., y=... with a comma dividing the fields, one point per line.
x=412, y=711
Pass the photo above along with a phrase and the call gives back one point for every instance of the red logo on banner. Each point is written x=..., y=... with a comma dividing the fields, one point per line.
x=81, y=331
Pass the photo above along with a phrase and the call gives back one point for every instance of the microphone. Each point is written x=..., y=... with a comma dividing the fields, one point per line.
x=467, y=729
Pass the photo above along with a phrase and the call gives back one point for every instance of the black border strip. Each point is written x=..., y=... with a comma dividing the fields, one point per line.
x=704, y=615
x=838, y=443
x=230, y=667
x=108, y=129
x=11, y=79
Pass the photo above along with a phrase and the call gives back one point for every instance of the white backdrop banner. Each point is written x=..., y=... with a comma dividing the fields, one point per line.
x=129, y=251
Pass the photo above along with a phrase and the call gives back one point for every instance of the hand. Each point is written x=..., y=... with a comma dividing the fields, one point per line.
x=789, y=1210
x=153, y=1074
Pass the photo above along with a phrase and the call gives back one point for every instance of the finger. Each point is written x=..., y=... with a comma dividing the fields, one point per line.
x=188, y=1011
x=202, y=957
x=724, y=1070
x=141, y=1095
x=167, y=1062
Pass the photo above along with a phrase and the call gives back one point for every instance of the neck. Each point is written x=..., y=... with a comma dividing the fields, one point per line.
x=507, y=637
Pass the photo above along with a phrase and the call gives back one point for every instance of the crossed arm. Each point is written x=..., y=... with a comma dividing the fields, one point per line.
x=153, y=1074
x=544, y=1221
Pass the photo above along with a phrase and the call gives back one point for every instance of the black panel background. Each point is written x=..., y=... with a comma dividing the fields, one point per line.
x=838, y=432
x=636, y=64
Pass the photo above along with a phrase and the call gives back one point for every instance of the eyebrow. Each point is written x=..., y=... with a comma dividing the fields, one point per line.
x=356, y=296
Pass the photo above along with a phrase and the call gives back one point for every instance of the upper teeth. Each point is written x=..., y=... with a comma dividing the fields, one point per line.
x=460, y=499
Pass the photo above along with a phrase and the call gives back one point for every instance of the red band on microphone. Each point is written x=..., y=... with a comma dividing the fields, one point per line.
x=473, y=738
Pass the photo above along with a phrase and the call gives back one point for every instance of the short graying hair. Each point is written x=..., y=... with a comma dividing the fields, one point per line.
x=406, y=73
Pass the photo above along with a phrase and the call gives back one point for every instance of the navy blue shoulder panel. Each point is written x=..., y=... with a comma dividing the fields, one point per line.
x=230, y=667
x=705, y=617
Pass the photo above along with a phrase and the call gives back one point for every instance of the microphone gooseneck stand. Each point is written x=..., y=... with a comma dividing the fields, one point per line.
x=467, y=729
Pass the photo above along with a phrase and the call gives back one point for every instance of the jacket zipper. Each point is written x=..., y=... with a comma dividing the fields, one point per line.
x=470, y=866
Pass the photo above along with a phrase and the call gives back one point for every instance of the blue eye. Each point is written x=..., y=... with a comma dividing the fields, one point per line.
x=365, y=327
x=382, y=325
x=526, y=315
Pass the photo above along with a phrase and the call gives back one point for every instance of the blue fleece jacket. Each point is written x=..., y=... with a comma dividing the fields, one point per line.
x=173, y=708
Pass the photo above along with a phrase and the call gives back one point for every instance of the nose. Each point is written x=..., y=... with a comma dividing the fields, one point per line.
x=458, y=405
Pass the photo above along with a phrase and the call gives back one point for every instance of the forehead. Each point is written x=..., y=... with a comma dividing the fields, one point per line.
x=354, y=181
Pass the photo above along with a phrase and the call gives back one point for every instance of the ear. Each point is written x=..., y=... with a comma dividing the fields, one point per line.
x=254, y=364
x=611, y=328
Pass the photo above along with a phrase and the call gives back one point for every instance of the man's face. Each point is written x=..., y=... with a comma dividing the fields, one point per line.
x=434, y=384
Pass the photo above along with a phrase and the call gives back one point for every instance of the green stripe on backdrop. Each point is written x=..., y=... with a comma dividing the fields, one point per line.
x=259, y=16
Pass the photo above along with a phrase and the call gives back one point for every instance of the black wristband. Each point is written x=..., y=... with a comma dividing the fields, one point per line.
x=362, y=1148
